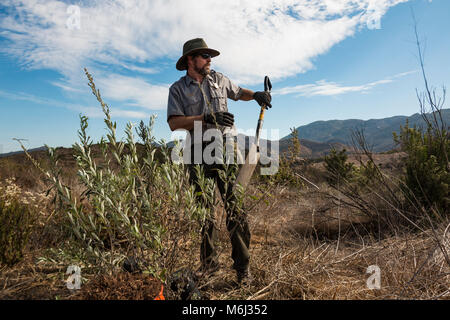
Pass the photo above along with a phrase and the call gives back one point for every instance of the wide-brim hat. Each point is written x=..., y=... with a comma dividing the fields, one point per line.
x=190, y=47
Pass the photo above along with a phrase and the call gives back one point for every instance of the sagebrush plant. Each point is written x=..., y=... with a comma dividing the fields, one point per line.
x=16, y=224
x=19, y=219
x=131, y=204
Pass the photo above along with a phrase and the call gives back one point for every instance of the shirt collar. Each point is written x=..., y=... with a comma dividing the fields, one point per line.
x=189, y=80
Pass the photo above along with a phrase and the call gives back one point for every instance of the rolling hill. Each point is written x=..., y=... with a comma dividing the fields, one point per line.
x=378, y=132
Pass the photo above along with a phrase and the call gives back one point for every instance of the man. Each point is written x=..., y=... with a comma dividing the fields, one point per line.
x=200, y=98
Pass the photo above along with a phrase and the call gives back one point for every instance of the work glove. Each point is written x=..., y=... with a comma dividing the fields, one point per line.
x=263, y=98
x=222, y=118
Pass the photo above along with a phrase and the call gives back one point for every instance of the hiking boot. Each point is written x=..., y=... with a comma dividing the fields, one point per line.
x=244, y=277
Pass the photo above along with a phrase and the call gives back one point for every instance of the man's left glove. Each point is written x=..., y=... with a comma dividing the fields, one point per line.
x=263, y=98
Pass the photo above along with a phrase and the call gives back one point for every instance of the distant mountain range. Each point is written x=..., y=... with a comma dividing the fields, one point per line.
x=318, y=138
x=2, y=155
x=378, y=132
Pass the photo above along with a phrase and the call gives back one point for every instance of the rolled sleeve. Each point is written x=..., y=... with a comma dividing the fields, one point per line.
x=174, y=104
x=234, y=92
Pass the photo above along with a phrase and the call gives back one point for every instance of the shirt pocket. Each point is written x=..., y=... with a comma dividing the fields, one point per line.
x=193, y=105
x=218, y=99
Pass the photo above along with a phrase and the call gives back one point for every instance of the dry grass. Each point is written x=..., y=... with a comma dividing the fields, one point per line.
x=123, y=286
x=303, y=247
x=289, y=263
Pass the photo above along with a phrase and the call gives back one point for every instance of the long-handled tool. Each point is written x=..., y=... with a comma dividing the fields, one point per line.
x=252, y=159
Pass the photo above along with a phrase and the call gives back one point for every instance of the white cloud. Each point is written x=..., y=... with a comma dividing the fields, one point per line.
x=96, y=112
x=63, y=85
x=140, y=69
x=133, y=91
x=92, y=112
x=325, y=88
x=27, y=97
x=280, y=38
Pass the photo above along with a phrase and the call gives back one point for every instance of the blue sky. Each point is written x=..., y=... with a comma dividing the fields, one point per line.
x=329, y=59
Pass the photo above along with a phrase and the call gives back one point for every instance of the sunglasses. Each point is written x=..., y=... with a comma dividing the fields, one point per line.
x=204, y=55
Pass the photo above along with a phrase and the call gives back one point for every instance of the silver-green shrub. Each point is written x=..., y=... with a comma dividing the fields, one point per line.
x=131, y=204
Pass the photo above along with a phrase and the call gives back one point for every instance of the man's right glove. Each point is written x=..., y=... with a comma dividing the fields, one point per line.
x=263, y=98
x=222, y=118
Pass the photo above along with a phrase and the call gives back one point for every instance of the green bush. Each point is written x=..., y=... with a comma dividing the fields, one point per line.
x=288, y=161
x=337, y=168
x=15, y=229
x=427, y=174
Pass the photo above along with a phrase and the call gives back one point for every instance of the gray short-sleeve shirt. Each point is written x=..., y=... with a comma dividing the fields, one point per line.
x=186, y=97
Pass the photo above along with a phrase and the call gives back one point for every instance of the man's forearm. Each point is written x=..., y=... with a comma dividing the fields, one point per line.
x=183, y=122
x=246, y=95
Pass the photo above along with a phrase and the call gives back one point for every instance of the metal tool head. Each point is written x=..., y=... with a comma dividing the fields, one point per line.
x=267, y=84
x=253, y=156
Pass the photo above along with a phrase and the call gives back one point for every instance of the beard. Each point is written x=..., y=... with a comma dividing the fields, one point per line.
x=205, y=70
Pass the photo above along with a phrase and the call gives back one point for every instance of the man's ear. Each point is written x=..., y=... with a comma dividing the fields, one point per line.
x=189, y=60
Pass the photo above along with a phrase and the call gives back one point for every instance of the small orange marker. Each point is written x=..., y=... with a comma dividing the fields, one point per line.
x=161, y=296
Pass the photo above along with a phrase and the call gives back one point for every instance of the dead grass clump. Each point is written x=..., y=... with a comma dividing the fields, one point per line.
x=301, y=269
x=287, y=264
x=28, y=280
x=121, y=286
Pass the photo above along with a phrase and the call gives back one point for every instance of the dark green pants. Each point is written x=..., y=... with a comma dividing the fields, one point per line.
x=236, y=221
